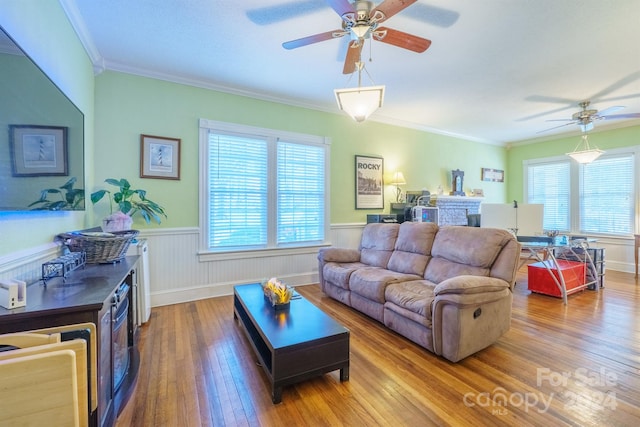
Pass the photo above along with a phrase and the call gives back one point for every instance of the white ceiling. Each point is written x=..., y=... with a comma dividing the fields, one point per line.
x=496, y=71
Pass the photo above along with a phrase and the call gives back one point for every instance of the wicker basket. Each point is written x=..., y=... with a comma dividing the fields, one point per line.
x=100, y=247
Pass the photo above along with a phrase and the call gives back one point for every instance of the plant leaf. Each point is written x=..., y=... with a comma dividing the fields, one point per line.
x=125, y=206
x=69, y=184
x=98, y=195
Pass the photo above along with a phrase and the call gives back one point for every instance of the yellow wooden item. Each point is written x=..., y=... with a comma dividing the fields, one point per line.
x=39, y=390
x=93, y=381
x=28, y=339
x=24, y=394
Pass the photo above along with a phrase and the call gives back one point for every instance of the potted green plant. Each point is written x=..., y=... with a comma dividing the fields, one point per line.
x=70, y=198
x=128, y=202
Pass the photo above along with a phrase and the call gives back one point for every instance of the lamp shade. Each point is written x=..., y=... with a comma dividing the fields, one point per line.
x=398, y=179
x=360, y=102
x=587, y=154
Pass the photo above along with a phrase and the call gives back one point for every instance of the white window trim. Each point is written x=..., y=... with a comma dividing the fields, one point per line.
x=574, y=188
x=205, y=126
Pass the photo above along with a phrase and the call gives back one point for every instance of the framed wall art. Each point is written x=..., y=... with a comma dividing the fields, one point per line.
x=38, y=150
x=493, y=175
x=159, y=157
x=369, y=182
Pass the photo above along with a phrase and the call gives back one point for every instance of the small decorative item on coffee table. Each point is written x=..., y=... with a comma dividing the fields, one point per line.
x=278, y=293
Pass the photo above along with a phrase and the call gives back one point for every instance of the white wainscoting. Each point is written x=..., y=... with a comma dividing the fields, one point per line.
x=177, y=275
x=26, y=265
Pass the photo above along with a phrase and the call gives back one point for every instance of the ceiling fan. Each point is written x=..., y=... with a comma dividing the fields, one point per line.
x=585, y=117
x=360, y=21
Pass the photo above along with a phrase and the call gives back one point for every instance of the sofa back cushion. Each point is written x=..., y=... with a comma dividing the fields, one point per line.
x=413, y=247
x=466, y=250
x=377, y=243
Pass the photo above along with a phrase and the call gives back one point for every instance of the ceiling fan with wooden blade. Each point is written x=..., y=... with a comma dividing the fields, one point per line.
x=360, y=21
x=585, y=117
x=290, y=9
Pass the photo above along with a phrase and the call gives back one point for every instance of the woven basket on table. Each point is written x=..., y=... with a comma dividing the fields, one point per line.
x=100, y=248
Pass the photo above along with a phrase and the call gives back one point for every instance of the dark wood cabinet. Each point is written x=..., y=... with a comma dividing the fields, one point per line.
x=87, y=295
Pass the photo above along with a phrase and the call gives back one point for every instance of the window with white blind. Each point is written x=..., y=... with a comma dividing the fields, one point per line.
x=607, y=195
x=592, y=198
x=548, y=183
x=261, y=188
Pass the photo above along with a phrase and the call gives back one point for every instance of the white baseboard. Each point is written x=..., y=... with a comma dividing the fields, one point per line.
x=182, y=295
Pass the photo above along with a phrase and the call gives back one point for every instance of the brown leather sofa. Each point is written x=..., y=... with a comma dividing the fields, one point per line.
x=448, y=289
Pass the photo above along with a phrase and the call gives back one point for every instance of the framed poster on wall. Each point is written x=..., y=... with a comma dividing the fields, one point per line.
x=369, y=182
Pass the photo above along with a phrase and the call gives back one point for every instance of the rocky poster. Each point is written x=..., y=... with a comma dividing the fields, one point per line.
x=369, y=183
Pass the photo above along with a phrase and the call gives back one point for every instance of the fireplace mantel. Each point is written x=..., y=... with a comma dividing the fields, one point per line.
x=453, y=210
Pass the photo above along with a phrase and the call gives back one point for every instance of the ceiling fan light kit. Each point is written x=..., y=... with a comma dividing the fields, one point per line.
x=360, y=102
x=586, y=117
x=587, y=154
x=360, y=20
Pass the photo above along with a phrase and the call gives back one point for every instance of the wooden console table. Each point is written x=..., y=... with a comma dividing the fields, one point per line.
x=85, y=296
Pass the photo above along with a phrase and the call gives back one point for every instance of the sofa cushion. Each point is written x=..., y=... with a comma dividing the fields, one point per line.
x=415, y=296
x=338, y=274
x=370, y=282
x=464, y=250
x=440, y=269
x=413, y=247
x=377, y=243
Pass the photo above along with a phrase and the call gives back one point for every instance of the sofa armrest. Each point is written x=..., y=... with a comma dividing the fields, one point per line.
x=470, y=285
x=338, y=255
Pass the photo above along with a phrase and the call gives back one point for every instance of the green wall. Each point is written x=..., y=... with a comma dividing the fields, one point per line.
x=525, y=150
x=128, y=105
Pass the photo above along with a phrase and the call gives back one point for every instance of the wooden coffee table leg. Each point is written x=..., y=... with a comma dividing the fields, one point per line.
x=276, y=395
x=344, y=373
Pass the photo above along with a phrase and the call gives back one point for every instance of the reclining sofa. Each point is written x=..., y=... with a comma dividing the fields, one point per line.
x=448, y=289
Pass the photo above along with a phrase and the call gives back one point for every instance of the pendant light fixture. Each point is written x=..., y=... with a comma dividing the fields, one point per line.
x=360, y=102
x=583, y=153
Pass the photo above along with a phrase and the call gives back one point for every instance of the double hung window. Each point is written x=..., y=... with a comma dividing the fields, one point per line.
x=592, y=198
x=261, y=188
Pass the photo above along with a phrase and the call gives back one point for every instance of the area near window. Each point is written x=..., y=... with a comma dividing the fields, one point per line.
x=593, y=198
x=261, y=189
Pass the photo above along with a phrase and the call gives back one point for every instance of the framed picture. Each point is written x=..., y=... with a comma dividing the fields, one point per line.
x=159, y=157
x=38, y=150
x=369, y=184
x=494, y=175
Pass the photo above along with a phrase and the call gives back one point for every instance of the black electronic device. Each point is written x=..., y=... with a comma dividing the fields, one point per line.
x=382, y=218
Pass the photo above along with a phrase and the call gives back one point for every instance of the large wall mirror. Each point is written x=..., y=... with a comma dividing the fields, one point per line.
x=41, y=138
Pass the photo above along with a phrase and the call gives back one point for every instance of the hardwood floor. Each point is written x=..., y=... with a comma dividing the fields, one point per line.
x=577, y=364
